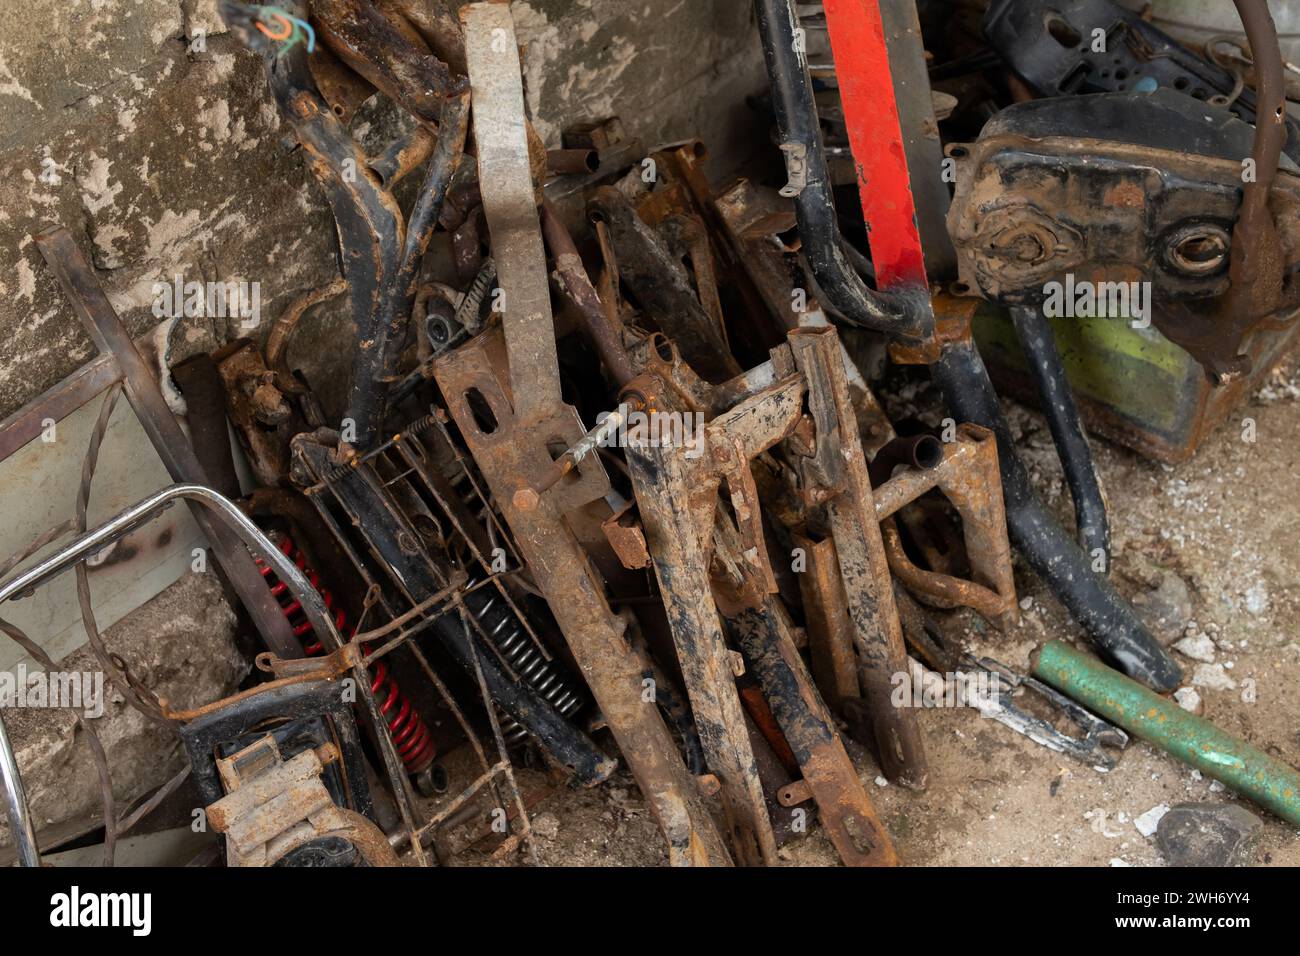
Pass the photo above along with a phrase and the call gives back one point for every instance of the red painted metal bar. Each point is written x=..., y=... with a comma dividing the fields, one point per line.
x=876, y=139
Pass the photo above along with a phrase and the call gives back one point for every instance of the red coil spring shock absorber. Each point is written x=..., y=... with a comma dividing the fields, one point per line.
x=409, y=733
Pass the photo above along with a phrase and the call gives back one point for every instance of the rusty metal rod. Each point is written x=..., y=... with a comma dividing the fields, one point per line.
x=605, y=335
x=399, y=297
x=572, y=162
x=57, y=403
x=845, y=810
x=1270, y=136
x=526, y=499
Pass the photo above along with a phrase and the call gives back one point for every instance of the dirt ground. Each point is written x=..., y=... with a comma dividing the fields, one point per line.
x=1205, y=548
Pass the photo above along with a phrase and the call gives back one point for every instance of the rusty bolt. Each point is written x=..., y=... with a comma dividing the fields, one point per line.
x=709, y=784
x=269, y=406
x=526, y=499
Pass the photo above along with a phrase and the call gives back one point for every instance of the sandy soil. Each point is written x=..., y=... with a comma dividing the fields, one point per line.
x=1208, y=548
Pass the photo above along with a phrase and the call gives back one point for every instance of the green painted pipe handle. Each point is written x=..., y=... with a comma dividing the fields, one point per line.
x=1162, y=723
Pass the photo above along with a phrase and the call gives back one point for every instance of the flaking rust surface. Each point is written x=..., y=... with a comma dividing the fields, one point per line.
x=1226, y=523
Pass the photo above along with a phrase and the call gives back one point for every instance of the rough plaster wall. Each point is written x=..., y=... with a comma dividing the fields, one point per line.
x=165, y=159
x=161, y=160
x=670, y=68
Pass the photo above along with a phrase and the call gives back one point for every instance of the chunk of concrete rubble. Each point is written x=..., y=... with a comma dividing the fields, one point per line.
x=1212, y=677
x=1188, y=699
x=1257, y=600
x=545, y=825
x=1208, y=834
x=1168, y=607
x=1198, y=647
x=1146, y=823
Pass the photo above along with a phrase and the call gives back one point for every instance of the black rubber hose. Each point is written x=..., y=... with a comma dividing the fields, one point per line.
x=1110, y=622
x=1058, y=406
x=905, y=316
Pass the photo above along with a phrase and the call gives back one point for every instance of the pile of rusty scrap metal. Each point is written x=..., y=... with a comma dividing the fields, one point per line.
x=719, y=581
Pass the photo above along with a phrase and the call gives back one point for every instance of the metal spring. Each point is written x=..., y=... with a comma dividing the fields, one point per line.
x=518, y=649
x=336, y=472
x=467, y=311
x=407, y=729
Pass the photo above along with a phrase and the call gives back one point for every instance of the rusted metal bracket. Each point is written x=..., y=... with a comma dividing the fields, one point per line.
x=967, y=475
x=835, y=475
x=265, y=418
x=275, y=806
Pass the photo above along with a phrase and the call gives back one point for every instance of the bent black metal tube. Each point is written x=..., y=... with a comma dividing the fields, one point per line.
x=906, y=316
x=368, y=218
x=1110, y=622
x=399, y=297
x=1058, y=406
